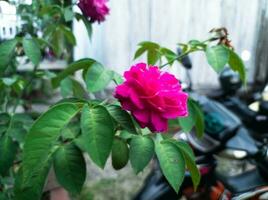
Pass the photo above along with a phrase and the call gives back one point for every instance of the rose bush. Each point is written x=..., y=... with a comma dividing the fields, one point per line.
x=152, y=96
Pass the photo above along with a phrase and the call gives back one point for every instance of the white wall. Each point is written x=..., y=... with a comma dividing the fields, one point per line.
x=9, y=22
x=169, y=22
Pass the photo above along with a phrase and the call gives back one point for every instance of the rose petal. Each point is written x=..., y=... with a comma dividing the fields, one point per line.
x=141, y=116
x=159, y=124
x=96, y=10
x=135, y=99
x=122, y=91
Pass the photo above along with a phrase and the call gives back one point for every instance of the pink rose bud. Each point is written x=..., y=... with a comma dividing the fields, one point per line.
x=152, y=96
x=94, y=9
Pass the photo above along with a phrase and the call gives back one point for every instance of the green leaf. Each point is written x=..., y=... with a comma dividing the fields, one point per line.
x=40, y=144
x=152, y=49
x=51, y=10
x=86, y=23
x=3, y=196
x=194, y=118
x=8, y=150
x=19, y=194
x=70, y=168
x=149, y=45
x=173, y=125
x=118, y=79
x=184, y=47
x=122, y=117
x=126, y=135
x=237, y=64
x=73, y=67
x=23, y=118
x=71, y=87
x=43, y=43
x=6, y=51
x=120, y=153
x=152, y=57
x=169, y=55
x=32, y=50
x=199, y=120
x=34, y=191
x=97, y=134
x=197, y=44
x=72, y=100
x=9, y=81
x=68, y=34
x=67, y=133
x=78, y=89
x=189, y=158
x=66, y=87
x=3, y=129
x=171, y=162
x=71, y=131
x=17, y=128
x=139, y=52
x=217, y=57
x=68, y=14
x=55, y=37
x=187, y=123
x=141, y=152
x=97, y=77
x=4, y=118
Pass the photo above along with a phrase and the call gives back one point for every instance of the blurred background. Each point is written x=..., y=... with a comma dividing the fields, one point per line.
x=168, y=22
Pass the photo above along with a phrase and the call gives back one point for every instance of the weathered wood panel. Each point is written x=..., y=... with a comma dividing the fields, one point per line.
x=169, y=22
x=261, y=61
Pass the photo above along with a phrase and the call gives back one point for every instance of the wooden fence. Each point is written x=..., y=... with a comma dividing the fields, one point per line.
x=169, y=22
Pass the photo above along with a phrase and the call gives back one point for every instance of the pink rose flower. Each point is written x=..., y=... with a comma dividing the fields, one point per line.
x=94, y=9
x=152, y=96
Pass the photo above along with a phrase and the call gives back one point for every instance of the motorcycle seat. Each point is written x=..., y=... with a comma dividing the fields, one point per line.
x=243, y=182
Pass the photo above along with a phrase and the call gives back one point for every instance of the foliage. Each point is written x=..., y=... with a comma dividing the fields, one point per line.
x=171, y=162
x=141, y=152
x=79, y=124
x=218, y=56
x=45, y=34
x=195, y=118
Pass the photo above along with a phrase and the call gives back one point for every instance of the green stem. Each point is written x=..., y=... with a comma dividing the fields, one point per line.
x=207, y=40
x=6, y=101
x=179, y=58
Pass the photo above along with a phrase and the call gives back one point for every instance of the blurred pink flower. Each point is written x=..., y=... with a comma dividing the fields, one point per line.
x=152, y=96
x=94, y=9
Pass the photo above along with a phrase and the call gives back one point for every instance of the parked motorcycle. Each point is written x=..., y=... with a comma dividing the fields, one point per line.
x=230, y=161
x=252, y=111
x=232, y=164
